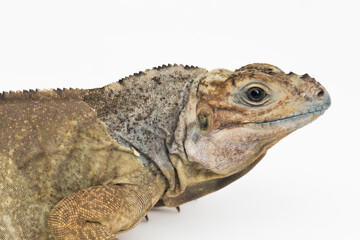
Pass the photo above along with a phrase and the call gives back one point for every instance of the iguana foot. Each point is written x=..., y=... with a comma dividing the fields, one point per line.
x=99, y=212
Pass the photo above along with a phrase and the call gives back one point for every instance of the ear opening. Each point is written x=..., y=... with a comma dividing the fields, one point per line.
x=205, y=119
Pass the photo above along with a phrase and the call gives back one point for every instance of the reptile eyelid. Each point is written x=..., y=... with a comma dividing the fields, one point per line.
x=241, y=96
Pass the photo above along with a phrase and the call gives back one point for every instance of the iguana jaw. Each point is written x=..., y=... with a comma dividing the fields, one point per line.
x=296, y=117
x=313, y=112
x=287, y=124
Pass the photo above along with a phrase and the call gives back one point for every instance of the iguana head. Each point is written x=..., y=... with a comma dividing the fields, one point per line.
x=239, y=115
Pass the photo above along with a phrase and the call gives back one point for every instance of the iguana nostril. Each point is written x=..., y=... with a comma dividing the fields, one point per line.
x=320, y=93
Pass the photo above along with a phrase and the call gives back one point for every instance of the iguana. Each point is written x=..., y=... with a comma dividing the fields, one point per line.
x=87, y=164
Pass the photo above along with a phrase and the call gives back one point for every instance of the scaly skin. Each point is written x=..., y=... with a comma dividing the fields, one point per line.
x=87, y=164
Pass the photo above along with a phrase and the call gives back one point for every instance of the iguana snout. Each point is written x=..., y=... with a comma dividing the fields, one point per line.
x=241, y=114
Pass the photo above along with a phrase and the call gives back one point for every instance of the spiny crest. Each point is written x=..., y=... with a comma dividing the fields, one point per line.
x=164, y=66
x=157, y=69
x=174, y=65
x=40, y=94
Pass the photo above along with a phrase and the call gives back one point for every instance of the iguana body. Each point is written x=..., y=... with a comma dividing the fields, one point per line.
x=86, y=164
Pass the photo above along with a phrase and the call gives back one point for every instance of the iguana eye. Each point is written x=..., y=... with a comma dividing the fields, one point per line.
x=256, y=94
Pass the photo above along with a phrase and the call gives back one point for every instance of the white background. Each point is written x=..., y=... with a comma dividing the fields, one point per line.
x=308, y=185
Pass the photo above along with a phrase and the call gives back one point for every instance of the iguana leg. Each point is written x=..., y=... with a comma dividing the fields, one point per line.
x=98, y=212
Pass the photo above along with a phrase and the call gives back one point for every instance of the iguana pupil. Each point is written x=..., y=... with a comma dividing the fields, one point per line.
x=256, y=94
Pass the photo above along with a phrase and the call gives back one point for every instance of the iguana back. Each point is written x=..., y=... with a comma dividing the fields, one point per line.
x=51, y=144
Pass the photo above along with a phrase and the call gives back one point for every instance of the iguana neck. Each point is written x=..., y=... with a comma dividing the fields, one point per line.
x=142, y=111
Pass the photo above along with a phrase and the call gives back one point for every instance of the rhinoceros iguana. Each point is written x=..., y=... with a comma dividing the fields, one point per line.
x=86, y=164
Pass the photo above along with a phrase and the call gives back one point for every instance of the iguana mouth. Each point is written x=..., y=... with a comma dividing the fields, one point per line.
x=314, y=112
x=293, y=117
